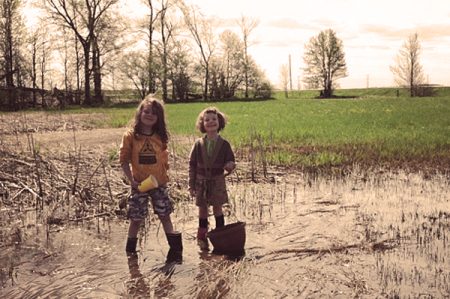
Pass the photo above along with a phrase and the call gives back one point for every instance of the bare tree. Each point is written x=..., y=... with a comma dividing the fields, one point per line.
x=39, y=54
x=83, y=17
x=202, y=32
x=8, y=11
x=34, y=44
x=166, y=34
x=106, y=45
x=149, y=25
x=11, y=26
x=78, y=51
x=247, y=25
x=65, y=58
x=233, y=66
x=134, y=65
x=408, y=70
x=67, y=46
x=179, y=62
x=325, y=62
x=43, y=67
x=158, y=27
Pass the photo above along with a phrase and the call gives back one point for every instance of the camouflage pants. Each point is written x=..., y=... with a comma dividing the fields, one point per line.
x=138, y=203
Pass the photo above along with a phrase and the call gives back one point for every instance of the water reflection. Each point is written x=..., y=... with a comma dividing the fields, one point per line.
x=164, y=287
x=233, y=257
x=216, y=273
x=210, y=279
x=413, y=267
x=137, y=285
x=156, y=284
x=393, y=232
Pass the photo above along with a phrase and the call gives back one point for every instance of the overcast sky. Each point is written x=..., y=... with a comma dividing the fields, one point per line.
x=372, y=33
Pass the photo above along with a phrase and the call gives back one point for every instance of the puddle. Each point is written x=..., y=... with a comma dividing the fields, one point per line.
x=384, y=236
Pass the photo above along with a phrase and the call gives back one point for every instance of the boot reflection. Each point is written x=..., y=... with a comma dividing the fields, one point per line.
x=213, y=270
x=164, y=288
x=137, y=285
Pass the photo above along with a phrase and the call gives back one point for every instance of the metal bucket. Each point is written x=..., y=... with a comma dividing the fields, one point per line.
x=229, y=239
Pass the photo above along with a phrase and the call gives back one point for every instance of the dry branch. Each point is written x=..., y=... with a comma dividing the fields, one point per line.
x=373, y=246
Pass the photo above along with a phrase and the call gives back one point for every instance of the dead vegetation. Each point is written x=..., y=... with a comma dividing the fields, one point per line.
x=79, y=179
x=66, y=189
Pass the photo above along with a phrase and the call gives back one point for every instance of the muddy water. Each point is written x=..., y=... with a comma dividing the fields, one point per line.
x=365, y=237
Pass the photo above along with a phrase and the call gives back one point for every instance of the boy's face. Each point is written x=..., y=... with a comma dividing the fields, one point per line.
x=211, y=122
x=148, y=117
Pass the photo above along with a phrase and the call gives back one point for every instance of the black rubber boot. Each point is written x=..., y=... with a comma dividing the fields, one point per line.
x=220, y=221
x=131, y=246
x=175, y=253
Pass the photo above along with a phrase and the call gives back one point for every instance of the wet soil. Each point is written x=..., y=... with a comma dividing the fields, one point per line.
x=376, y=235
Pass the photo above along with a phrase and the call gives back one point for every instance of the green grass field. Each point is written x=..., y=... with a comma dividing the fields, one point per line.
x=364, y=126
x=374, y=128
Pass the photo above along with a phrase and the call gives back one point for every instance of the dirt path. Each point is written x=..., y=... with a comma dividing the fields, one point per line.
x=86, y=139
x=67, y=140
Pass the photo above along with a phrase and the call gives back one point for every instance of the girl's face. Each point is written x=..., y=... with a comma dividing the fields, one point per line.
x=211, y=122
x=148, y=117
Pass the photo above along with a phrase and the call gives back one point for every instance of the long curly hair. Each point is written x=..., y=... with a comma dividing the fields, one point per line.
x=160, y=126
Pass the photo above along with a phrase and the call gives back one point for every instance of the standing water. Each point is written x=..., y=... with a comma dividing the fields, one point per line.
x=385, y=235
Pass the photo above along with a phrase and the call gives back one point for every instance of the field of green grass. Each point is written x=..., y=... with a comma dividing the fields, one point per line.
x=364, y=126
x=373, y=128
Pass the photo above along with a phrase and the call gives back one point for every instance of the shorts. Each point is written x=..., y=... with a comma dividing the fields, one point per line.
x=138, y=203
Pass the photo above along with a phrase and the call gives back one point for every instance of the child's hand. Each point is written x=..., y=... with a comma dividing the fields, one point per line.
x=230, y=166
x=164, y=156
x=192, y=192
x=134, y=185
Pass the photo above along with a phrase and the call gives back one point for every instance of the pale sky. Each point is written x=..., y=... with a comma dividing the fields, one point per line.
x=372, y=33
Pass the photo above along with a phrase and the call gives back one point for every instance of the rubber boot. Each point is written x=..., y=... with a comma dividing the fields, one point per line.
x=220, y=221
x=202, y=241
x=131, y=245
x=175, y=253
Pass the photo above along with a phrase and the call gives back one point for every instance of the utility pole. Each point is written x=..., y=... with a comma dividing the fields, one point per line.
x=290, y=73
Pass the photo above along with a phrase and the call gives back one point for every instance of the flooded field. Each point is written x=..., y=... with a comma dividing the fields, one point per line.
x=365, y=237
x=381, y=234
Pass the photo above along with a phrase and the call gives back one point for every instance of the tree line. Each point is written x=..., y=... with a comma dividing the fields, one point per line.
x=74, y=46
x=173, y=49
x=325, y=63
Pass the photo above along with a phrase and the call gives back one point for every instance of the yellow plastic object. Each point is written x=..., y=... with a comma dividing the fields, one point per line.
x=149, y=183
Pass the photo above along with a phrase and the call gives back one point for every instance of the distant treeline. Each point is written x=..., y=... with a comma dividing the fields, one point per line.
x=21, y=98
